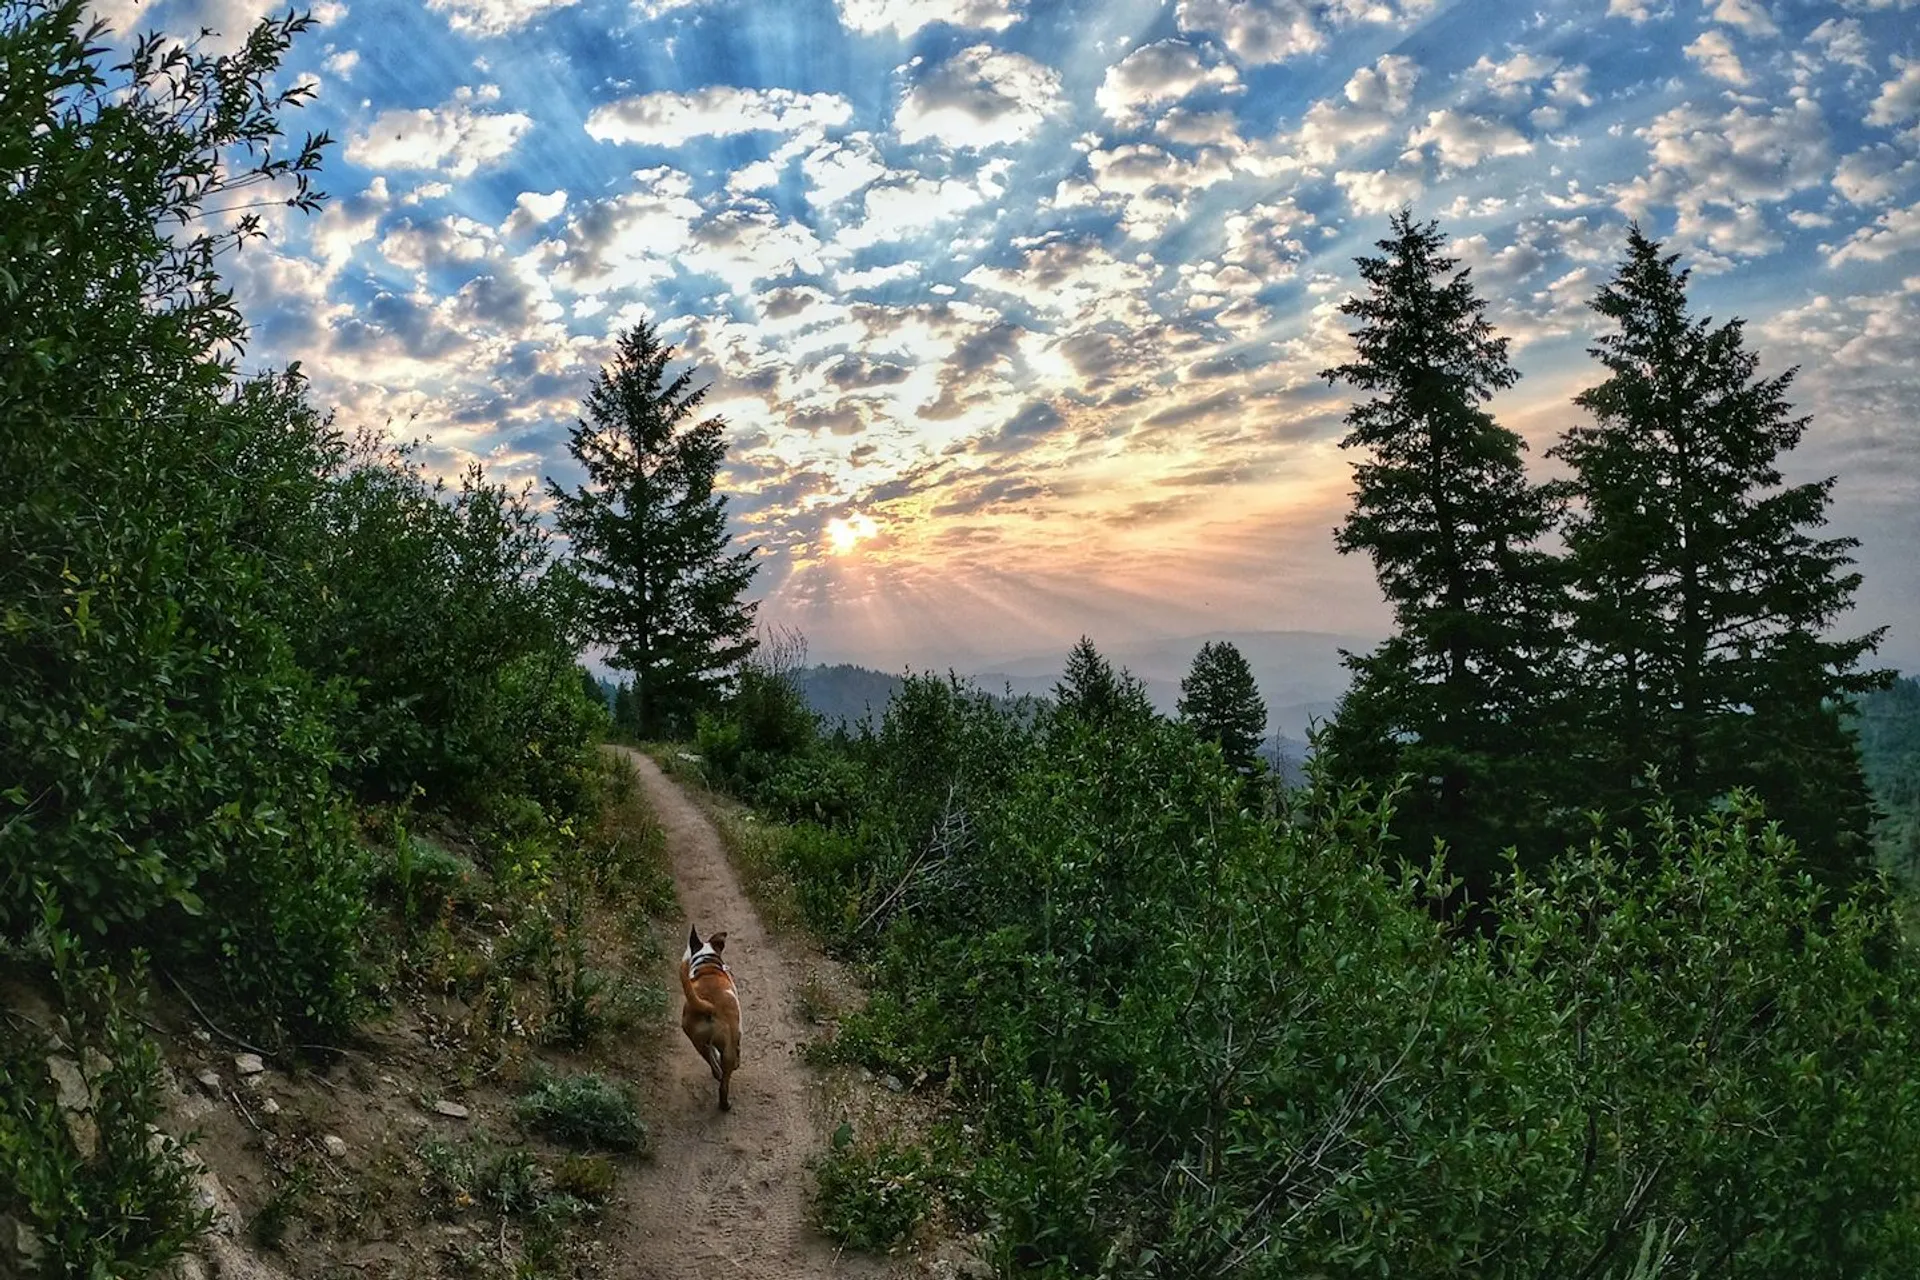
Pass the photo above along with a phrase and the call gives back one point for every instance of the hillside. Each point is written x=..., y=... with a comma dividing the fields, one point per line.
x=1889, y=729
x=1299, y=674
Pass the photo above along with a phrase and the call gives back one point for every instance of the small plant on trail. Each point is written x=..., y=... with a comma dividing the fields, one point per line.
x=584, y=1110
x=874, y=1193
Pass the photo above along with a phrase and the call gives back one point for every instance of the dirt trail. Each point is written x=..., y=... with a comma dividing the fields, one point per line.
x=729, y=1187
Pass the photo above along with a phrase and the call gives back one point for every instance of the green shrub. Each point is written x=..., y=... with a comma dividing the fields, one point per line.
x=96, y=1190
x=584, y=1110
x=1196, y=1040
x=873, y=1194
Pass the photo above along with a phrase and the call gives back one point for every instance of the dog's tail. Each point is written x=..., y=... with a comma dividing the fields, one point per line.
x=694, y=1000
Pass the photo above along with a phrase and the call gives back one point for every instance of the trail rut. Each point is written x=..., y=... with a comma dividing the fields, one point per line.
x=729, y=1187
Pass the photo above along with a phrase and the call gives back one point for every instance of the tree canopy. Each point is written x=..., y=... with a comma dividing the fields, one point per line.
x=650, y=534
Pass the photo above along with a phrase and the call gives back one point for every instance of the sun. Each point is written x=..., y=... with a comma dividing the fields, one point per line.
x=846, y=533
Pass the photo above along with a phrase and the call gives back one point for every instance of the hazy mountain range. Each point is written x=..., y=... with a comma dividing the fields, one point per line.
x=1299, y=674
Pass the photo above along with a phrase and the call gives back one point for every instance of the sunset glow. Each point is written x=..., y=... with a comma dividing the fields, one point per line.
x=1016, y=310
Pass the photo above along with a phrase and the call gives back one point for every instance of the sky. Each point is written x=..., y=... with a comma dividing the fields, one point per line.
x=1016, y=310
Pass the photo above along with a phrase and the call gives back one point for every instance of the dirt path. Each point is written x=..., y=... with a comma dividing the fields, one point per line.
x=729, y=1188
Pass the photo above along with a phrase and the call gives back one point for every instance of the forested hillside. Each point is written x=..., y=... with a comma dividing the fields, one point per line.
x=1566, y=959
x=1890, y=753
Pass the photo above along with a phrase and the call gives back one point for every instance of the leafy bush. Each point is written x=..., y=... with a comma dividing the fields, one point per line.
x=167, y=758
x=1194, y=1040
x=584, y=1110
x=93, y=1187
x=873, y=1194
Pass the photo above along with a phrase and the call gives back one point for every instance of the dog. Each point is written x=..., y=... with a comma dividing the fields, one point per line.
x=711, y=1016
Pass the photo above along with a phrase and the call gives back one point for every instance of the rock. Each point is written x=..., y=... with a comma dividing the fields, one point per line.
x=271, y=1106
x=209, y=1080
x=72, y=1086
x=249, y=1064
x=20, y=1238
x=893, y=1084
x=231, y=1262
x=453, y=1109
x=336, y=1145
x=76, y=1104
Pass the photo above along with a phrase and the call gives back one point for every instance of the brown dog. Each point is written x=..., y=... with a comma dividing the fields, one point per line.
x=711, y=1017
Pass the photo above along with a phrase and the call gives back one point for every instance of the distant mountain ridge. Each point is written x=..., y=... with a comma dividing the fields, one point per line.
x=1299, y=674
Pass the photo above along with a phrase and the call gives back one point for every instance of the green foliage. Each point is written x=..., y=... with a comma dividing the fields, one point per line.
x=94, y=1188
x=1090, y=690
x=1443, y=507
x=162, y=747
x=1702, y=599
x=1194, y=1041
x=443, y=616
x=650, y=537
x=584, y=1110
x=504, y=1182
x=1890, y=755
x=1221, y=701
x=874, y=1193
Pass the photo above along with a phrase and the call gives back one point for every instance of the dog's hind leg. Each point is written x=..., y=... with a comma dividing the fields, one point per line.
x=713, y=1061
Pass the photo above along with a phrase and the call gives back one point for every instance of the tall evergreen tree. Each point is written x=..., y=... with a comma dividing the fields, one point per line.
x=650, y=534
x=1090, y=690
x=1221, y=701
x=1443, y=507
x=1702, y=598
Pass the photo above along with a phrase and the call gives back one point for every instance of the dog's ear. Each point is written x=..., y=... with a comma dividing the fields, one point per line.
x=718, y=942
x=693, y=939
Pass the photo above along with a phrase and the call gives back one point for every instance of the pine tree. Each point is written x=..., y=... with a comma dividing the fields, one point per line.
x=1221, y=701
x=649, y=534
x=626, y=718
x=1701, y=597
x=1443, y=507
x=1090, y=690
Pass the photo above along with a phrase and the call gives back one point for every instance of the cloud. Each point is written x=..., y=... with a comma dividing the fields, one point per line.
x=1069, y=276
x=1736, y=159
x=1748, y=15
x=493, y=17
x=749, y=241
x=1154, y=184
x=1261, y=31
x=533, y=209
x=1895, y=231
x=627, y=240
x=907, y=203
x=1874, y=174
x=980, y=97
x=455, y=138
x=1462, y=140
x=1375, y=96
x=1636, y=11
x=1379, y=191
x=1714, y=52
x=1899, y=99
x=905, y=17
x=1158, y=73
x=1515, y=77
x=668, y=119
x=1843, y=41
x=341, y=64
x=498, y=17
